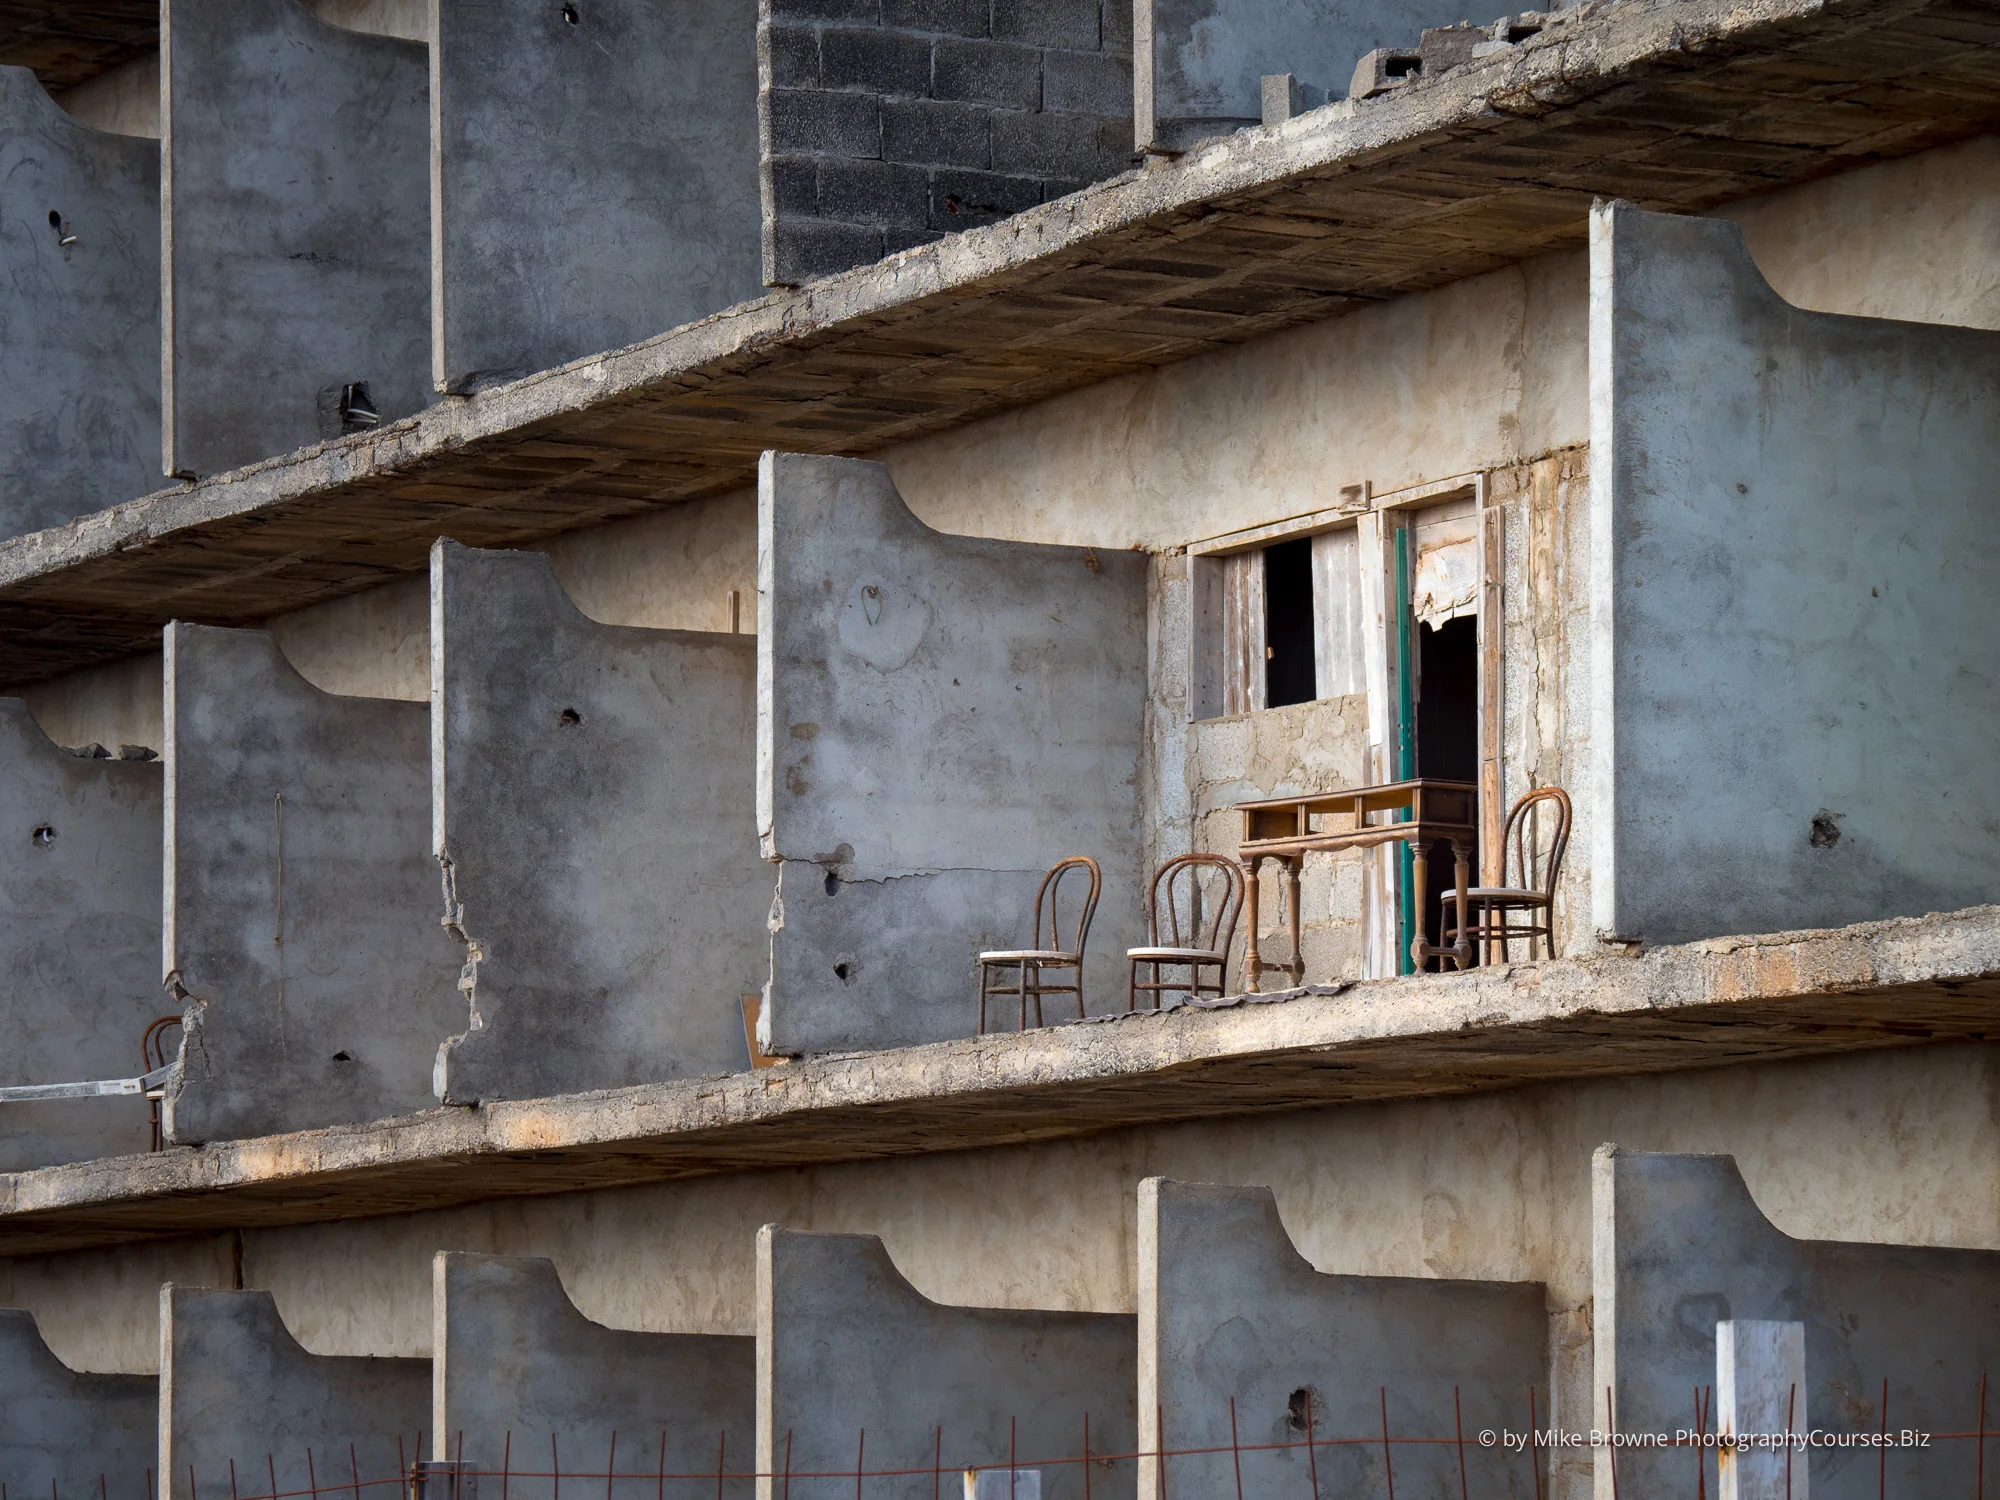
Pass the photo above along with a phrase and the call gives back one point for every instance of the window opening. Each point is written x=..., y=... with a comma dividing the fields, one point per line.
x=1289, y=675
x=1447, y=710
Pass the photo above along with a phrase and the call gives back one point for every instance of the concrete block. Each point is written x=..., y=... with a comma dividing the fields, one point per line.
x=1199, y=65
x=873, y=192
x=80, y=313
x=301, y=895
x=236, y=1388
x=940, y=719
x=591, y=804
x=807, y=248
x=512, y=1354
x=874, y=59
x=595, y=177
x=1088, y=83
x=1760, y=1397
x=295, y=233
x=80, y=926
x=60, y=1429
x=1228, y=1309
x=987, y=73
x=955, y=17
x=925, y=132
x=1048, y=23
x=825, y=124
x=961, y=199
x=1794, y=553
x=1680, y=1246
x=845, y=1343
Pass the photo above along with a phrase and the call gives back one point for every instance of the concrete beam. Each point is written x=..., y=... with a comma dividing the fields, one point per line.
x=79, y=931
x=1888, y=984
x=512, y=1354
x=591, y=805
x=939, y=720
x=79, y=314
x=1229, y=1309
x=301, y=896
x=61, y=1430
x=594, y=174
x=295, y=234
x=236, y=1388
x=844, y=1343
x=1679, y=1245
x=1749, y=580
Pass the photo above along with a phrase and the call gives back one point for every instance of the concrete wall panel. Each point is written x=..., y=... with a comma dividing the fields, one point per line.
x=941, y=718
x=1679, y=1245
x=301, y=895
x=591, y=793
x=60, y=1429
x=79, y=313
x=844, y=1342
x=594, y=176
x=80, y=932
x=513, y=1354
x=296, y=237
x=236, y=1388
x=1228, y=1308
x=1795, y=693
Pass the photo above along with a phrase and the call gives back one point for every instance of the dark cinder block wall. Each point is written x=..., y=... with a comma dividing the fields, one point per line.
x=890, y=123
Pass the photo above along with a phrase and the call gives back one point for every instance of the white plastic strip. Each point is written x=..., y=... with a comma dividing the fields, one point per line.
x=102, y=1088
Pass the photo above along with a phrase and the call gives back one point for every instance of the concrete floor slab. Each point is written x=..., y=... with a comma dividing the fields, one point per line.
x=61, y=1430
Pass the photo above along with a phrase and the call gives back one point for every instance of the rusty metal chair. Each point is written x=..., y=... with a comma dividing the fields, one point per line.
x=1029, y=965
x=154, y=1054
x=1498, y=914
x=1203, y=943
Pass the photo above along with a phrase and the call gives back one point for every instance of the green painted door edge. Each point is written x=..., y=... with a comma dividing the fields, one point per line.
x=1406, y=748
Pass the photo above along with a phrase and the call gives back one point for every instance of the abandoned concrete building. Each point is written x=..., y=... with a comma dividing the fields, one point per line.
x=1109, y=747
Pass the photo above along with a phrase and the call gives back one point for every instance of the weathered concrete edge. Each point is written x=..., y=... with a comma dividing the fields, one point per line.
x=1698, y=982
x=1593, y=47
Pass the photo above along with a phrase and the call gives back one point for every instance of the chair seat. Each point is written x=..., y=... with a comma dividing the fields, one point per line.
x=1500, y=895
x=1175, y=955
x=1027, y=956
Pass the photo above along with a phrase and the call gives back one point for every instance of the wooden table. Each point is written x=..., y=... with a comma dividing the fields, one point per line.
x=1281, y=829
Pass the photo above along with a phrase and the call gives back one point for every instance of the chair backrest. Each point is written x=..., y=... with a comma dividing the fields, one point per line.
x=1048, y=899
x=1211, y=915
x=1540, y=864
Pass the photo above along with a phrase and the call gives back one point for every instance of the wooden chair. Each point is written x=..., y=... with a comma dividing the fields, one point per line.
x=1498, y=914
x=1029, y=965
x=1202, y=944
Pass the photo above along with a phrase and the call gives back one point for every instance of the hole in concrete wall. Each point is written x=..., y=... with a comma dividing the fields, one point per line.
x=569, y=14
x=843, y=971
x=65, y=237
x=43, y=836
x=1289, y=672
x=568, y=717
x=832, y=883
x=343, y=1057
x=357, y=408
x=1825, y=830
x=1305, y=1410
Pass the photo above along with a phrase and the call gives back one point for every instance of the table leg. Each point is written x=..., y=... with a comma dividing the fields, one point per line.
x=1253, y=961
x=1292, y=868
x=1462, y=950
x=1420, y=867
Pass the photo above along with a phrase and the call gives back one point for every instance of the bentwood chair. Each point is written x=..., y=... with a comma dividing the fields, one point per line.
x=1532, y=848
x=1029, y=967
x=1202, y=942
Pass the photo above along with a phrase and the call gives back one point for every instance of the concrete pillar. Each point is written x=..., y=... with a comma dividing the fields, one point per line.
x=846, y=1346
x=592, y=804
x=296, y=239
x=1678, y=1246
x=594, y=176
x=301, y=895
x=940, y=719
x=513, y=1355
x=236, y=1389
x=79, y=313
x=1230, y=1311
x=80, y=926
x=1760, y=1397
x=1792, y=524
x=62, y=1431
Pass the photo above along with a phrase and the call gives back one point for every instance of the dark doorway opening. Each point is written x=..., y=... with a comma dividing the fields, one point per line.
x=1290, y=674
x=1447, y=739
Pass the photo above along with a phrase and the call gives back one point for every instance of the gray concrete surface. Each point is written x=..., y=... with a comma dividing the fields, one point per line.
x=1228, y=1308
x=237, y=1389
x=1199, y=65
x=295, y=234
x=79, y=322
x=300, y=895
x=61, y=1429
x=594, y=177
x=80, y=928
x=940, y=719
x=1794, y=689
x=1679, y=1245
x=511, y=1354
x=844, y=1342
x=591, y=801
